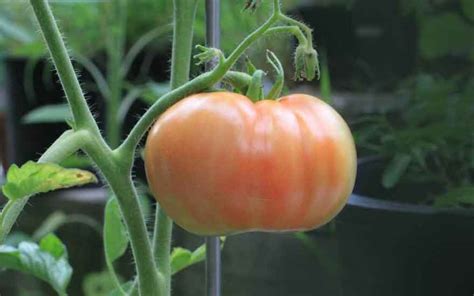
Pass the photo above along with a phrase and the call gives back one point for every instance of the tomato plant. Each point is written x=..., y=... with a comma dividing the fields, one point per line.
x=218, y=163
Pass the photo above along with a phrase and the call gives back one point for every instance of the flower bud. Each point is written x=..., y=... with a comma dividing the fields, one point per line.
x=306, y=63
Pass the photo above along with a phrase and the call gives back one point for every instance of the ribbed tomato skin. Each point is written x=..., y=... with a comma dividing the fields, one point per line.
x=219, y=163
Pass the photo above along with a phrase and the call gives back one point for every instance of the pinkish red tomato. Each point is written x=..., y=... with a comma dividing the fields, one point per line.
x=219, y=163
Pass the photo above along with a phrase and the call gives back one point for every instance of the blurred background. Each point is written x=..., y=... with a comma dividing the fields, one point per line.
x=399, y=71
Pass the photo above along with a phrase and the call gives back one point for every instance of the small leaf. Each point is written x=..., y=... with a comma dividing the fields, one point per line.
x=48, y=114
x=32, y=178
x=98, y=284
x=41, y=262
x=182, y=258
x=53, y=245
x=115, y=233
x=251, y=69
x=395, y=170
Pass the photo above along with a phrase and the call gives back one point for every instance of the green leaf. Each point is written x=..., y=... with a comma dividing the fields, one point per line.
x=468, y=8
x=98, y=284
x=48, y=114
x=53, y=245
x=41, y=261
x=182, y=258
x=395, y=170
x=445, y=34
x=32, y=178
x=115, y=233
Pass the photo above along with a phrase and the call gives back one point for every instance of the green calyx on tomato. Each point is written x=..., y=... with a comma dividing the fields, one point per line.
x=220, y=164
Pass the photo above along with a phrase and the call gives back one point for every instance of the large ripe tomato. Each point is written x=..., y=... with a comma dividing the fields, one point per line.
x=218, y=163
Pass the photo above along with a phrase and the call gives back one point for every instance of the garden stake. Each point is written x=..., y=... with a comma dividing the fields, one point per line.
x=213, y=248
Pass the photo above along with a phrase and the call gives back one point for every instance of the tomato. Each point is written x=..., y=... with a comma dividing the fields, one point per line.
x=219, y=163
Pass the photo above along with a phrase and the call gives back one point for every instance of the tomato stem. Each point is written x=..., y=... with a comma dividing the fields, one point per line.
x=116, y=15
x=109, y=162
x=307, y=30
x=50, y=32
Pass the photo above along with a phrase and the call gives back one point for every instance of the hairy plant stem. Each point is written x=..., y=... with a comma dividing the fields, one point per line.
x=184, y=13
x=119, y=177
x=82, y=116
x=117, y=20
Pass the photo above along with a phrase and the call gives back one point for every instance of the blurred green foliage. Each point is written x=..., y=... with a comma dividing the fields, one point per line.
x=85, y=29
x=432, y=140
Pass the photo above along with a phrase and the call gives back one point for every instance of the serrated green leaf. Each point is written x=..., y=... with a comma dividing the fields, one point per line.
x=32, y=178
x=48, y=114
x=395, y=170
x=115, y=233
x=41, y=263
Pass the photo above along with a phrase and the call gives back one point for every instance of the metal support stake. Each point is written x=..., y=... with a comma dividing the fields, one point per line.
x=213, y=249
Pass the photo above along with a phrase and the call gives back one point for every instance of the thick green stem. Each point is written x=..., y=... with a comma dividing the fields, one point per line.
x=184, y=14
x=82, y=116
x=162, y=244
x=150, y=282
x=64, y=146
x=108, y=162
x=117, y=18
